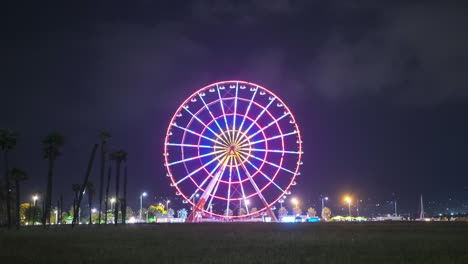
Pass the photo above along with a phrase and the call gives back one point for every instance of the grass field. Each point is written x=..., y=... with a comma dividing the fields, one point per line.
x=377, y=243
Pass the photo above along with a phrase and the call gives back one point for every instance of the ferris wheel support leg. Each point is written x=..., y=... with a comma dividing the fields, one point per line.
x=260, y=195
x=272, y=215
x=194, y=215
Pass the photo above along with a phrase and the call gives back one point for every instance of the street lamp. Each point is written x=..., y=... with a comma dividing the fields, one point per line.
x=295, y=202
x=112, y=200
x=35, y=198
x=247, y=203
x=56, y=216
x=348, y=200
x=141, y=202
x=323, y=201
x=211, y=209
x=281, y=201
x=196, y=196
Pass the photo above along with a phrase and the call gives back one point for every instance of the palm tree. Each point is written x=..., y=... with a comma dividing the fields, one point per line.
x=118, y=156
x=7, y=143
x=76, y=189
x=109, y=172
x=91, y=192
x=124, y=202
x=104, y=136
x=18, y=175
x=85, y=183
x=52, y=145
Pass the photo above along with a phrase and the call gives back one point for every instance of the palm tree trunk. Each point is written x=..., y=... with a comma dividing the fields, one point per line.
x=117, y=185
x=74, y=205
x=34, y=212
x=101, y=186
x=48, y=200
x=57, y=216
x=88, y=172
x=7, y=187
x=124, y=204
x=43, y=208
x=107, y=193
x=90, y=204
x=29, y=213
x=18, y=223
x=61, y=207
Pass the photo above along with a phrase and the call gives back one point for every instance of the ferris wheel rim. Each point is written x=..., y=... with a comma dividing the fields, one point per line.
x=296, y=132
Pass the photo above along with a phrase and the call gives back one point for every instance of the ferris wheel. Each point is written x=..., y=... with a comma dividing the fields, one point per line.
x=232, y=150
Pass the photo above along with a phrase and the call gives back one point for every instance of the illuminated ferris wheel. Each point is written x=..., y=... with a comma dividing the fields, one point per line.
x=232, y=150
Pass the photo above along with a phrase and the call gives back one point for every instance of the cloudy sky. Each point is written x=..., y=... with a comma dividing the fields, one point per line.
x=379, y=88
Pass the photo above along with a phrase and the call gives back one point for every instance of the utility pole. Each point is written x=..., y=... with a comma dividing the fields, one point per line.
x=357, y=206
x=395, y=201
x=421, y=215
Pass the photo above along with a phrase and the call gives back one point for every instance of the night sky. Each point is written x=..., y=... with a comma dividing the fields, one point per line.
x=379, y=89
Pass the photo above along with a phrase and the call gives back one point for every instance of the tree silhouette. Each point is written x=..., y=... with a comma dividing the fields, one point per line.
x=326, y=213
x=124, y=200
x=117, y=156
x=90, y=190
x=7, y=143
x=297, y=211
x=253, y=210
x=311, y=212
x=18, y=175
x=106, y=202
x=85, y=182
x=76, y=189
x=228, y=212
x=52, y=149
x=104, y=136
x=282, y=212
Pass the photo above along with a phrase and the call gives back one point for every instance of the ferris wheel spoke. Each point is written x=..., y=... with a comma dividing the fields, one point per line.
x=213, y=117
x=214, y=183
x=254, y=184
x=206, y=126
x=240, y=183
x=195, y=171
x=270, y=138
x=235, y=112
x=273, y=150
x=259, y=115
x=192, y=145
x=217, y=183
x=247, y=111
x=264, y=175
x=229, y=185
x=195, y=157
x=224, y=113
x=268, y=162
x=265, y=127
x=195, y=133
x=207, y=177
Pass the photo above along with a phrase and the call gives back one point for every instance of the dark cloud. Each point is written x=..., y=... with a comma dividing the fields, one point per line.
x=408, y=52
x=417, y=55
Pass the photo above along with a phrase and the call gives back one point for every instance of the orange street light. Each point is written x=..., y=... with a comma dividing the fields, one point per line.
x=295, y=202
x=348, y=200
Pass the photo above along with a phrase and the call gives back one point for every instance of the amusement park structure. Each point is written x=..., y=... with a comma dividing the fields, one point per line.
x=232, y=146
